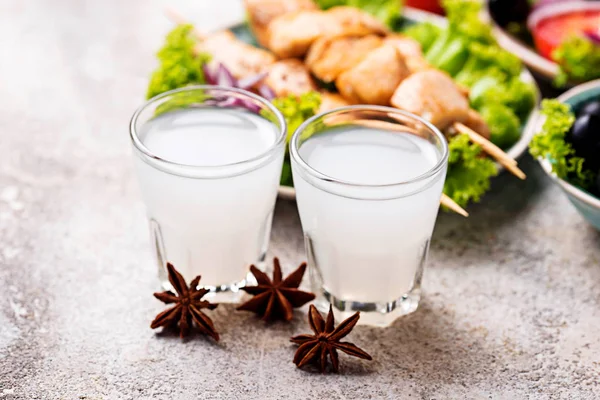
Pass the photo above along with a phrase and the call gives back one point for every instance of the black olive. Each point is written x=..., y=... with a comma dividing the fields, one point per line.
x=592, y=108
x=585, y=138
x=507, y=11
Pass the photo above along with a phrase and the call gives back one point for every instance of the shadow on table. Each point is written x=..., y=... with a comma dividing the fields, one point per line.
x=423, y=345
x=505, y=207
x=509, y=198
x=172, y=334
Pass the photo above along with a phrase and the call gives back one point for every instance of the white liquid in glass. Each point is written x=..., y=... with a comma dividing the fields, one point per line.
x=208, y=224
x=368, y=250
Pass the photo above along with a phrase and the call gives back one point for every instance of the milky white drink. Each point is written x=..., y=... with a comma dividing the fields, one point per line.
x=368, y=244
x=211, y=215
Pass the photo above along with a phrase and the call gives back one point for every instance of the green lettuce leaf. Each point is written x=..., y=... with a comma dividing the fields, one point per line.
x=469, y=174
x=505, y=128
x=179, y=64
x=488, y=60
x=425, y=33
x=297, y=109
x=550, y=144
x=466, y=45
x=463, y=19
x=579, y=60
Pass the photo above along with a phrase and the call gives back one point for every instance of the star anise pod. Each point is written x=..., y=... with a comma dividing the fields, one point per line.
x=188, y=306
x=326, y=341
x=276, y=299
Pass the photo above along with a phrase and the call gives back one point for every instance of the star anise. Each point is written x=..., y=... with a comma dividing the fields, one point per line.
x=276, y=299
x=187, y=307
x=326, y=341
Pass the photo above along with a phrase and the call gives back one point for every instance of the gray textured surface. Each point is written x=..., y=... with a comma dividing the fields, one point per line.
x=512, y=295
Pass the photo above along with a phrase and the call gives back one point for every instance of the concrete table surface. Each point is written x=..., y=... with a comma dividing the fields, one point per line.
x=511, y=294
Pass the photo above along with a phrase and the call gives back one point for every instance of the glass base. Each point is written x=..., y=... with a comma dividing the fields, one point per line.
x=230, y=293
x=375, y=314
x=225, y=293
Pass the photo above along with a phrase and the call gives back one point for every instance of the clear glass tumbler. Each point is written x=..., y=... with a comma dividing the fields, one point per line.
x=209, y=161
x=368, y=183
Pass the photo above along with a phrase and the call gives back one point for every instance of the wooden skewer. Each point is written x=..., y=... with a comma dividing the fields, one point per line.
x=491, y=149
x=451, y=204
x=488, y=146
x=373, y=123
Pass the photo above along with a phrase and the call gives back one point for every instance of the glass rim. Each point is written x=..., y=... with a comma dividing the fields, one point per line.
x=133, y=134
x=294, y=150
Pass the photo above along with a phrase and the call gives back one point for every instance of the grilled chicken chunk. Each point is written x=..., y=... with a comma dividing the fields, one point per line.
x=289, y=77
x=375, y=78
x=240, y=58
x=330, y=101
x=290, y=35
x=262, y=12
x=433, y=95
x=410, y=50
x=328, y=57
x=353, y=21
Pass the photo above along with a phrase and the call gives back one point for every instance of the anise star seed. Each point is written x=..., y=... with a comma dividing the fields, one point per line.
x=276, y=299
x=188, y=306
x=314, y=349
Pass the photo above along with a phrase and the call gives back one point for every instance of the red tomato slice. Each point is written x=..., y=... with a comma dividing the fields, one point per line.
x=549, y=33
x=427, y=5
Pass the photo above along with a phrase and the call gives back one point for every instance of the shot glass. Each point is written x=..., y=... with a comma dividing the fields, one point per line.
x=209, y=161
x=368, y=183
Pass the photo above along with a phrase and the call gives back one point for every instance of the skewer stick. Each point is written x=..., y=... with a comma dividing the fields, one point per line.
x=492, y=150
x=451, y=204
x=488, y=146
x=333, y=120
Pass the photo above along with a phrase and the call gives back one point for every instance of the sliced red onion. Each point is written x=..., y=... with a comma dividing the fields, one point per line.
x=266, y=92
x=594, y=37
x=209, y=75
x=223, y=77
x=251, y=81
x=247, y=104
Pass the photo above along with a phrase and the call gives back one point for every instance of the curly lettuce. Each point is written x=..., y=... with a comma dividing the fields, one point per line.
x=578, y=59
x=469, y=173
x=551, y=145
x=296, y=110
x=515, y=94
x=179, y=64
x=487, y=60
x=505, y=128
x=463, y=19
